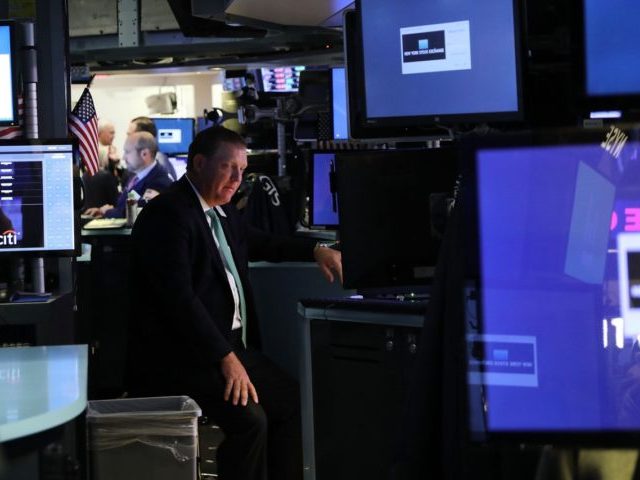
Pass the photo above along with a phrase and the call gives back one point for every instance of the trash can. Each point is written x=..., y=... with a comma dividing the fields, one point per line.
x=136, y=438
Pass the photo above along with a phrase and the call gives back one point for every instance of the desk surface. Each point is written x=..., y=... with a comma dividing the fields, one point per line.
x=41, y=388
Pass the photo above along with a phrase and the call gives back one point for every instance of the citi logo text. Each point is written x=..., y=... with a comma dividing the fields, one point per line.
x=8, y=237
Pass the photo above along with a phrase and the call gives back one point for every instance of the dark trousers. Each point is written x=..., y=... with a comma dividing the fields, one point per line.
x=260, y=437
x=262, y=441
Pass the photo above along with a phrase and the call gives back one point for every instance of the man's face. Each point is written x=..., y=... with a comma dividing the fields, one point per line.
x=220, y=177
x=106, y=135
x=132, y=156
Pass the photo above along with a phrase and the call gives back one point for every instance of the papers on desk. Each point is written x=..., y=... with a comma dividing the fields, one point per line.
x=99, y=223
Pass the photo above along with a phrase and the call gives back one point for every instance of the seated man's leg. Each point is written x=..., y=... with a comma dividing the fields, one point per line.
x=279, y=396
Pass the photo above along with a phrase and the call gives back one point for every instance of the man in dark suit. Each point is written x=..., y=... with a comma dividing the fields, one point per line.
x=146, y=124
x=147, y=179
x=193, y=325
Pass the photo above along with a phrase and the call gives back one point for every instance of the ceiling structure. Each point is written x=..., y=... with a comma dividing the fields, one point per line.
x=184, y=35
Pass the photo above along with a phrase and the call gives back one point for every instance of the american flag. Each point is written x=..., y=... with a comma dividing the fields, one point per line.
x=83, y=124
x=14, y=131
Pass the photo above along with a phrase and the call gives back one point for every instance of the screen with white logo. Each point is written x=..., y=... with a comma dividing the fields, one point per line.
x=36, y=197
x=440, y=61
x=174, y=134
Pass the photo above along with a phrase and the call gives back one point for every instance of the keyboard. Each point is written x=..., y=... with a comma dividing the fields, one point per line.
x=370, y=304
x=99, y=223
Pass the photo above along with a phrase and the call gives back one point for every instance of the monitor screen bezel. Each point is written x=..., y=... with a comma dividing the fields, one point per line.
x=435, y=119
x=76, y=222
x=474, y=276
x=14, y=74
x=193, y=133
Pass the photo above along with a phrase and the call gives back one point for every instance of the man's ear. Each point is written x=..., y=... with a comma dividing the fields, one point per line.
x=198, y=162
x=146, y=154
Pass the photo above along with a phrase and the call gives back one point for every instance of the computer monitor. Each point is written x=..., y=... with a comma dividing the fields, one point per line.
x=323, y=200
x=552, y=352
x=281, y=79
x=440, y=62
x=36, y=197
x=179, y=164
x=611, y=59
x=174, y=134
x=393, y=207
x=339, y=104
x=8, y=85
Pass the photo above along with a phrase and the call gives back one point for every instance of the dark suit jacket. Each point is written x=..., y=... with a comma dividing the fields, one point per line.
x=157, y=179
x=100, y=189
x=182, y=305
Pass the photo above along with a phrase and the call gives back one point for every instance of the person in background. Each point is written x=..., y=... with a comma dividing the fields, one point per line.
x=193, y=322
x=107, y=151
x=148, y=180
x=109, y=161
x=145, y=124
x=103, y=187
x=249, y=93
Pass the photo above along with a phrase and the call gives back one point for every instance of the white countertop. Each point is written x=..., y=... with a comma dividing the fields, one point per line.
x=41, y=388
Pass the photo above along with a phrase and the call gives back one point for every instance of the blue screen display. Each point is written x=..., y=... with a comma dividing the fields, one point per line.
x=611, y=42
x=439, y=57
x=339, y=104
x=323, y=211
x=7, y=96
x=553, y=349
x=174, y=134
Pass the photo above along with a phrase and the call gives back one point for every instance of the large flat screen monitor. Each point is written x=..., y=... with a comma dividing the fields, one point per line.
x=440, y=62
x=174, y=134
x=553, y=353
x=8, y=94
x=612, y=59
x=36, y=197
x=393, y=208
x=323, y=200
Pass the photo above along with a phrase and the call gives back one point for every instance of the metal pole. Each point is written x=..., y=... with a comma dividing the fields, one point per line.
x=30, y=75
x=282, y=141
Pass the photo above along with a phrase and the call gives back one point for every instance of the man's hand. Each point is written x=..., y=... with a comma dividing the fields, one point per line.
x=150, y=193
x=330, y=261
x=94, y=212
x=238, y=387
x=104, y=209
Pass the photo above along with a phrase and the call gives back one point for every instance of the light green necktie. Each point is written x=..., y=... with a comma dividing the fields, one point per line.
x=225, y=250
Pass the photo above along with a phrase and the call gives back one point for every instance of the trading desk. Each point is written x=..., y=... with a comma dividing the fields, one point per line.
x=42, y=388
x=355, y=372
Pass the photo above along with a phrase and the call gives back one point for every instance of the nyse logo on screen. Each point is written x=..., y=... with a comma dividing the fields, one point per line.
x=9, y=238
x=423, y=46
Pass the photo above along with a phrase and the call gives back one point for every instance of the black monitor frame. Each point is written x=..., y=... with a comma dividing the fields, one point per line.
x=434, y=120
x=13, y=38
x=473, y=275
